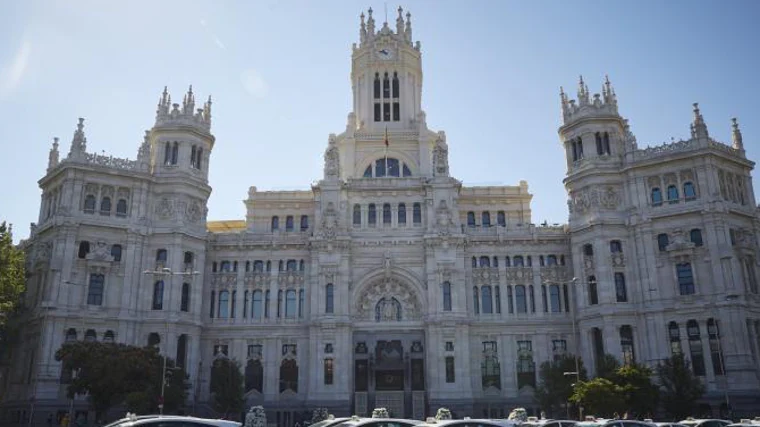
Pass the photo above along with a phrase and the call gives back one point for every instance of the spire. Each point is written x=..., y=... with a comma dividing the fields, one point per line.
x=207, y=110
x=582, y=93
x=53, y=156
x=408, y=29
x=186, y=113
x=699, y=126
x=363, y=29
x=370, y=24
x=79, y=141
x=563, y=101
x=608, y=91
x=736, y=135
x=400, y=21
x=188, y=105
x=143, y=154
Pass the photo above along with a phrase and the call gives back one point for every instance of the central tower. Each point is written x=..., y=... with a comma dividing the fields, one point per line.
x=386, y=75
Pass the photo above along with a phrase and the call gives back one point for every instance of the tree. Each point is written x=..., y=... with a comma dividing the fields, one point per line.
x=641, y=395
x=227, y=386
x=319, y=414
x=12, y=276
x=607, y=367
x=114, y=373
x=256, y=417
x=680, y=387
x=600, y=397
x=555, y=387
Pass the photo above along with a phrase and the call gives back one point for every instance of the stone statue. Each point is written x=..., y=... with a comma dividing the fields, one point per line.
x=441, y=156
x=332, y=159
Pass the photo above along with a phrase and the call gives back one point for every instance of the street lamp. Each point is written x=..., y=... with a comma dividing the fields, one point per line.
x=165, y=271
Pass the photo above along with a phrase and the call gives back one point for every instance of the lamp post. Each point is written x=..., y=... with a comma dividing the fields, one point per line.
x=165, y=271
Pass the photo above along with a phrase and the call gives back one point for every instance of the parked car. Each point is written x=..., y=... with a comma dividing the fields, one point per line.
x=746, y=422
x=330, y=422
x=670, y=425
x=705, y=422
x=468, y=422
x=590, y=421
x=132, y=420
x=356, y=421
x=545, y=422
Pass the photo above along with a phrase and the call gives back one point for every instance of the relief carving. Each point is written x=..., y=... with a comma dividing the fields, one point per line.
x=165, y=209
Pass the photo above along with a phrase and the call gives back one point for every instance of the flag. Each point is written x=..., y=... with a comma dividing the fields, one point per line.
x=386, y=137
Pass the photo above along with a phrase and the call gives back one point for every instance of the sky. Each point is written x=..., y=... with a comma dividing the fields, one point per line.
x=279, y=74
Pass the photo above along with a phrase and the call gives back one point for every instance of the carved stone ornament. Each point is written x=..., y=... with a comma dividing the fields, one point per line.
x=329, y=226
x=389, y=295
x=101, y=252
x=553, y=274
x=520, y=275
x=332, y=159
x=588, y=198
x=618, y=259
x=194, y=211
x=165, y=209
x=42, y=251
x=441, y=157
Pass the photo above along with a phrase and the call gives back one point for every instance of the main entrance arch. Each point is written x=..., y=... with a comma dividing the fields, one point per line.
x=389, y=347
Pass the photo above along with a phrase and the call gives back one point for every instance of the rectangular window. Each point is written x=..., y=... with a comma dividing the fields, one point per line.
x=449, y=346
x=396, y=112
x=386, y=111
x=620, y=291
x=328, y=371
x=685, y=279
x=450, y=372
x=378, y=115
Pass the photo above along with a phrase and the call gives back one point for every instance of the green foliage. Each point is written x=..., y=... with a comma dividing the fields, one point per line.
x=555, y=387
x=607, y=367
x=227, y=386
x=12, y=273
x=680, y=387
x=115, y=373
x=600, y=397
x=641, y=395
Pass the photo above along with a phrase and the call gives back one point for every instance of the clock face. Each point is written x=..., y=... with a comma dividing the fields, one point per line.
x=385, y=53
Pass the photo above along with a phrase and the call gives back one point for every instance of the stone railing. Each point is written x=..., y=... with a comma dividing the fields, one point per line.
x=107, y=161
x=682, y=146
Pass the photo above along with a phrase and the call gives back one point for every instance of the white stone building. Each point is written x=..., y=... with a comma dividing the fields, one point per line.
x=389, y=283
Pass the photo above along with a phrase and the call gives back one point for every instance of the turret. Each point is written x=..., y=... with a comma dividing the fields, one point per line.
x=698, y=126
x=53, y=155
x=736, y=135
x=78, y=142
x=181, y=139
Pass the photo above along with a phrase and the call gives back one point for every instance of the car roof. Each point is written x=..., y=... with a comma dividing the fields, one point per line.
x=141, y=420
x=360, y=421
x=438, y=423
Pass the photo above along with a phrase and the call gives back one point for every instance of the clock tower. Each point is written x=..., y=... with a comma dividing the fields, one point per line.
x=386, y=75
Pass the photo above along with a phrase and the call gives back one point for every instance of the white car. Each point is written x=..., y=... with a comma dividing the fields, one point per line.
x=545, y=422
x=468, y=422
x=704, y=422
x=132, y=420
x=377, y=422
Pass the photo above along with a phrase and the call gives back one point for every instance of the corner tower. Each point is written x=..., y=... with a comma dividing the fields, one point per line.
x=386, y=75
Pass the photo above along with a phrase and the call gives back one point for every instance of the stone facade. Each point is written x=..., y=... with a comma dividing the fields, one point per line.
x=389, y=283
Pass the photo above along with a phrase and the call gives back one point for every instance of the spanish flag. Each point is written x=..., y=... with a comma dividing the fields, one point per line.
x=386, y=137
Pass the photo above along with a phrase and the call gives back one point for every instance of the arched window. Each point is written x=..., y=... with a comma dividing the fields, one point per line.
x=212, y=305
x=275, y=223
x=695, y=348
x=386, y=89
x=289, y=223
x=510, y=300
x=256, y=305
x=471, y=219
x=372, y=214
x=184, y=304
x=199, y=158
x=281, y=266
x=485, y=219
x=551, y=260
x=541, y=260
x=544, y=299
x=626, y=345
x=621, y=294
x=290, y=303
x=475, y=300
x=554, y=299
x=695, y=236
x=158, y=295
x=497, y=298
x=71, y=335
x=95, y=289
x=417, y=214
x=181, y=359
x=225, y=266
x=607, y=143
x=245, y=304
x=189, y=260
x=301, y=265
x=304, y=222
x=84, y=249
x=672, y=194
x=474, y=262
x=521, y=302
x=167, y=154
x=501, y=219
x=656, y=196
x=588, y=249
x=89, y=204
x=301, y=302
x=485, y=261
x=266, y=304
x=529, y=260
x=446, y=296
x=662, y=242
x=593, y=295
x=406, y=171
x=161, y=255
x=376, y=91
x=495, y=262
x=599, y=146
x=192, y=156
x=223, y=312
x=689, y=192
x=517, y=261
x=329, y=298
x=109, y=337
x=616, y=247
x=90, y=336
x=291, y=265
x=357, y=215
x=395, y=87
x=175, y=153
x=402, y=214
x=387, y=214
x=716, y=353
x=254, y=376
x=105, y=206
x=269, y=266
x=289, y=376
x=674, y=333
x=116, y=253
x=154, y=339
x=258, y=265
x=368, y=171
x=487, y=299
x=685, y=279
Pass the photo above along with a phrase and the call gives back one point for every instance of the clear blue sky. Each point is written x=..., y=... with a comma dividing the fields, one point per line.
x=279, y=75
